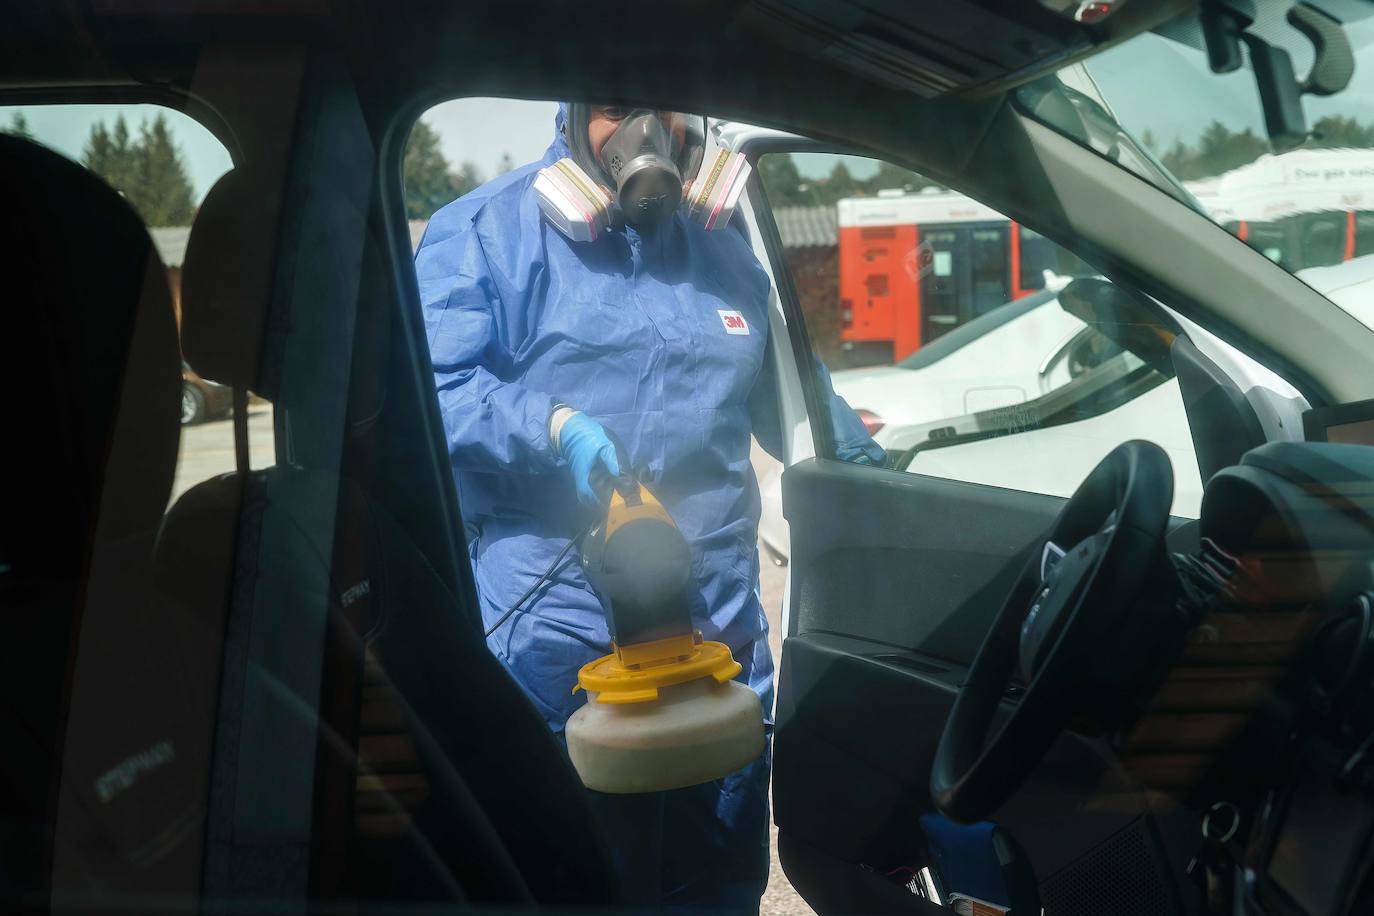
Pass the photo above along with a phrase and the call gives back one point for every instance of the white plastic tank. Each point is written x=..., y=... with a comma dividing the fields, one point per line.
x=690, y=732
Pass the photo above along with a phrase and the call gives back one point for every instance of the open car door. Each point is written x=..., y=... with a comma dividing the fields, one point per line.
x=896, y=575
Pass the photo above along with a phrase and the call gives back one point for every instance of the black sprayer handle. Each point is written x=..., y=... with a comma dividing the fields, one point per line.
x=625, y=484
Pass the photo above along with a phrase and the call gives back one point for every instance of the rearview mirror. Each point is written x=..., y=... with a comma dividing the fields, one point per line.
x=1132, y=322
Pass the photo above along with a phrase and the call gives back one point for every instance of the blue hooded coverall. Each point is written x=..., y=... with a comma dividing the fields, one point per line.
x=631, y=330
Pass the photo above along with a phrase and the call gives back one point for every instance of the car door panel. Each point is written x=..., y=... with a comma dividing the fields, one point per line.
x=891, y=596
x=874, y=772
x=910, y=560
x=862, y=720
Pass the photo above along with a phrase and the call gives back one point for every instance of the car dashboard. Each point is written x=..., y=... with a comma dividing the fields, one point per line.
x=1290, y=805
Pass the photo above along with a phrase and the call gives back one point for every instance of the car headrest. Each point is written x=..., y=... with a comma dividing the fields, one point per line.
x=88, y=365
x=227, y=286
x=226, y=281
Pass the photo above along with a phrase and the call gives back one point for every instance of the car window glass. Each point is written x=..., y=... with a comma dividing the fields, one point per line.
x=1298, y=203
x=941, y=324
x=163, y=163
x=124, y=646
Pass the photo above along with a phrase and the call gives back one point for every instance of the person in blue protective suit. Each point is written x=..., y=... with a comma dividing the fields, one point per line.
x=552, y=325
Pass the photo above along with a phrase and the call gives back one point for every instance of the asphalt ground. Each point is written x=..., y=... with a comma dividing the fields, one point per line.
x=780, y=899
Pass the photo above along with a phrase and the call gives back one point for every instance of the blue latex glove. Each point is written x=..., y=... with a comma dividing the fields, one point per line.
x=871, y=454
x=584, y=444
x=852, y=441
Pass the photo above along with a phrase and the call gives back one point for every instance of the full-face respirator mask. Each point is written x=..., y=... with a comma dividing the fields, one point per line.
x=652, y=163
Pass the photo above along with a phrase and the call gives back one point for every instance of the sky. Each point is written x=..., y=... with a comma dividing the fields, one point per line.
x=1150, y=83
x=1157, y=84
x=480, y=131
x=66, y=127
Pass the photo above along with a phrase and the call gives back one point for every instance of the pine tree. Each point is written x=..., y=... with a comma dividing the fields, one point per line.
x=428, y=183
x=1340, y=132
x=783, y=182
x=150, y=171
x=1178, y=160
x=1220, y=149
x=97, y=153
x=159, y=187
x=108, y=154
x=841, y=183
x=894, y=177
x=121, y=153
x=19, y=126
x=466, y=179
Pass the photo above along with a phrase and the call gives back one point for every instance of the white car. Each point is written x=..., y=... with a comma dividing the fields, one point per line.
x=1038, y=347
x=951, y=376
x=1350, y=285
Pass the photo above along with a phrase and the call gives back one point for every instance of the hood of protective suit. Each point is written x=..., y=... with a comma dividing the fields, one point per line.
x=559, y=147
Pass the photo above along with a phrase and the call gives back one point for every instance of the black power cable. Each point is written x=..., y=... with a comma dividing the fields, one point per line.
x=547, y=574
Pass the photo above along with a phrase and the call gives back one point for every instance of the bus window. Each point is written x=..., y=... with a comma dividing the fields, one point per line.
x=1323, y=239
x=1268, y=240
x=884, y=262
x=990, y=283
x=1364, y=233
x=940, y=286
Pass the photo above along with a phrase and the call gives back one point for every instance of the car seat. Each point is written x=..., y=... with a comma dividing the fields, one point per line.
x=104, y=696
x=367, y=742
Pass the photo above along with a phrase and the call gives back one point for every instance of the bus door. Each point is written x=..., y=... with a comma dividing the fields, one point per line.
x=968, y=273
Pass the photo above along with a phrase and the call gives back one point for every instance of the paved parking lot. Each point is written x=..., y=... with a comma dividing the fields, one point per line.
x=780, y=899
x=208, y=449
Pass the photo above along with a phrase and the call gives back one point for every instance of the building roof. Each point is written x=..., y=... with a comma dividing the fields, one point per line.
x=807, y=227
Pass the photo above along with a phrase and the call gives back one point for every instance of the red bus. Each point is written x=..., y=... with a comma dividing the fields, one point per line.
x=1309, y=239
x=1305, y=208
x=913, y=266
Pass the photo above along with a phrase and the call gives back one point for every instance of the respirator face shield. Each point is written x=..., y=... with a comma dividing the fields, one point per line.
x=636, y=166
x=643, y=156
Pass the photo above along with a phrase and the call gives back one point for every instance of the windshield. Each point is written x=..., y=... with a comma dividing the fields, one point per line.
x=1154, y=106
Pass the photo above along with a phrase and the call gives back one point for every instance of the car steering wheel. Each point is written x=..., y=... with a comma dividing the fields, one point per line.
x=1074, y=628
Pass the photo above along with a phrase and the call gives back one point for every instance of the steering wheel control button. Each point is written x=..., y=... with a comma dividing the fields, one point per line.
x=1049, y=559
x=1033, y=635
x=1221, y=822
x=1053, y=604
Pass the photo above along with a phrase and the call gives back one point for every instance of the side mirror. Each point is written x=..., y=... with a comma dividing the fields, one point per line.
x=1131, y=321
